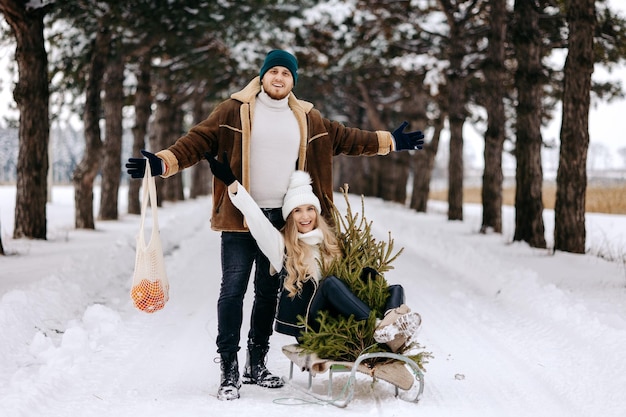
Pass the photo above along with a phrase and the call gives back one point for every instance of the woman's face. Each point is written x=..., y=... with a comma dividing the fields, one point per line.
x=305, y=217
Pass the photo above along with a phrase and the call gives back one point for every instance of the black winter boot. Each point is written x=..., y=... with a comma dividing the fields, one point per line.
x=229, y=387
x=255, y=371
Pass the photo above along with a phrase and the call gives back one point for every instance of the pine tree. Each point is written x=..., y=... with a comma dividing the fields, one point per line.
x=344, y=338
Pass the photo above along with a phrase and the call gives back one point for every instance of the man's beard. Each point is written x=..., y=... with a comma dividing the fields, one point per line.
x=276, y=96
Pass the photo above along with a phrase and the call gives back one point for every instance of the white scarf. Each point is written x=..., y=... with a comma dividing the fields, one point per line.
x=313, y=238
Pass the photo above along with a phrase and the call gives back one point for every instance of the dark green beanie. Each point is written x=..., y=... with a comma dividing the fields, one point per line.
x=281, y=58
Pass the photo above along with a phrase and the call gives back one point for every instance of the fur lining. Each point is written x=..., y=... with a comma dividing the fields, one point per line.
x=171, y=163
x=245, y=115
x=249, y=92
x=385, y=142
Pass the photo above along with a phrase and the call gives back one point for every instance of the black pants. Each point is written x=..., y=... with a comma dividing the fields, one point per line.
x=334, y=296
x=239, y=253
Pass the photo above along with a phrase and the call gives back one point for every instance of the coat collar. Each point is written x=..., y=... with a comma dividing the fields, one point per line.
x=248, y=95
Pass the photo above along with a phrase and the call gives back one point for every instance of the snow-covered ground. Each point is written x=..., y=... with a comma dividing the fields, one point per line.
x=514, y=331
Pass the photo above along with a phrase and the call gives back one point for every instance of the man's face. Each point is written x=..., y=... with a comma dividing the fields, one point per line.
x=277, y=82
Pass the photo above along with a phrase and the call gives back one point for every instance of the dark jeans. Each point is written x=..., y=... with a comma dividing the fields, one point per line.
x=239, y=253
x=334, y=296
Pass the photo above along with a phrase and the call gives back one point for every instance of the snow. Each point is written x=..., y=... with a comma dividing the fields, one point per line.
x=514, y=331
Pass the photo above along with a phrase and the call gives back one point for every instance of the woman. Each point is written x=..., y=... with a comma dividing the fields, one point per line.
x=305, y=245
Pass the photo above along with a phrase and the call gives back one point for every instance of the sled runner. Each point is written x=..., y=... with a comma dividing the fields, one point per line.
x=401, y=372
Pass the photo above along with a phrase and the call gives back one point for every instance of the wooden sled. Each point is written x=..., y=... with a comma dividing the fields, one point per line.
x=402, y=372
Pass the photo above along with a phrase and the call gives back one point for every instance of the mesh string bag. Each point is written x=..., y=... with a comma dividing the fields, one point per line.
x=150, y=286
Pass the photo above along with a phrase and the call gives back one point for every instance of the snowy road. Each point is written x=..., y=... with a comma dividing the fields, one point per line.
x=513, y=331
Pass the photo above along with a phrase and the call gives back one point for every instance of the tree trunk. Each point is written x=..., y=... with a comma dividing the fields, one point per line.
x=360, y=173
x=387, y=175
x=529, y=174
x=143, y=103
x=32, y=97
x=456, y=115
x=415, y=106
x=569, y=212
x=455, y=172
x=167, y=126
x=495, y=74
x=111, y=163
x=173, y=189
x=393, y=169
x=201, y=173
x=86, y=171
x=424, y=163
x=394, y=176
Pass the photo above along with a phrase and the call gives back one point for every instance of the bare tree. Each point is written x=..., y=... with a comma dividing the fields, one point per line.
x=32, y=97
x=569, y=211
x=86, y=171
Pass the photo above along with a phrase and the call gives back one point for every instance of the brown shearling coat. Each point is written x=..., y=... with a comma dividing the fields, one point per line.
x=228, y=129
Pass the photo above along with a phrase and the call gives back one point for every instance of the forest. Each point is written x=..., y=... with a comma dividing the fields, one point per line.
x=151, y=69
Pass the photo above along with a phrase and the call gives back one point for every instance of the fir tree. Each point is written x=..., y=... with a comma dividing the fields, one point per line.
x=344, y=338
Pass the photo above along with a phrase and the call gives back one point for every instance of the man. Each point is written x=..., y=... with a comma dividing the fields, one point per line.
x=266, y=133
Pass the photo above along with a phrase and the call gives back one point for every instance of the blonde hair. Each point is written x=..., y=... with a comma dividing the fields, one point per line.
x=298, y=253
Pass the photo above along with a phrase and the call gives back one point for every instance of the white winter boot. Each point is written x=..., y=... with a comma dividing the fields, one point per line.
x=398, y=327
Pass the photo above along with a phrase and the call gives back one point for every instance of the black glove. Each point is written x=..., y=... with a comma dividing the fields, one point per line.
x=221, y=170
x=137, y=166
x=408, y=140
x=368, y=274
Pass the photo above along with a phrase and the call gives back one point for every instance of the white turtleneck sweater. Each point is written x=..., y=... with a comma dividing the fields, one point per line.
x=274, y=143
x=270, y=240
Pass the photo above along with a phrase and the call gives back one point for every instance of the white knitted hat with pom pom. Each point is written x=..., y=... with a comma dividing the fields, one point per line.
x=299, y=192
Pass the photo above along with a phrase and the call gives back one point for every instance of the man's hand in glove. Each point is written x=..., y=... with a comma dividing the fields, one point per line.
x=221, y=170
x=136, y=167
x=407, y=140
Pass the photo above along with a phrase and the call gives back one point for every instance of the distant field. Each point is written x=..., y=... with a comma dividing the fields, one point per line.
x=600, y=199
